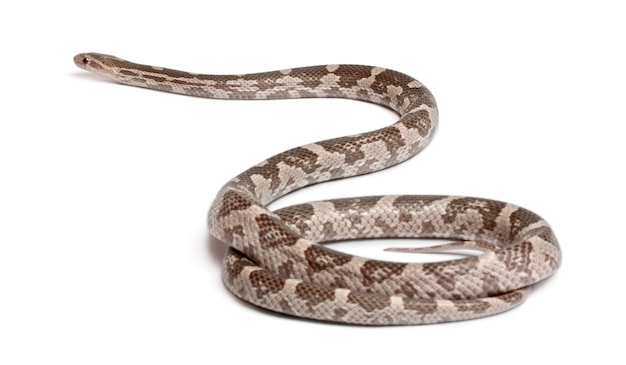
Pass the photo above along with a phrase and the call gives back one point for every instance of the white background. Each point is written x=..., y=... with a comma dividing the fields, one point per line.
x=105, y=256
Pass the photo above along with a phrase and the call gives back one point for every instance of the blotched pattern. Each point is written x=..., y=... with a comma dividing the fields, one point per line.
x=276, y=260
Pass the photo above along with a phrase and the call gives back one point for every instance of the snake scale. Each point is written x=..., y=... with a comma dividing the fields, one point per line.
x=276, y=260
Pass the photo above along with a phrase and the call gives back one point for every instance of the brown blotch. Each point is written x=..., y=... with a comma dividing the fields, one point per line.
x=387, y=227
x=388, y=78
x=154, y=77
x=320, y=259
x=548, y=236
x=491, y=283
x=405, y=217
x=488, y=210
x=350, y=147
x=475, y=306
x=231, y=233
x=266, y=283
x=356, y=204
x=554, y=261
x=286, y=269
x=232, y=201
x=272, y=234
x=422, y=96
x=369, y=303
x=446, y=273
x=128, y=73
x=234, y=263
x=296, y=217
x=298, y=157
x=421, y=306
x=285, y=307
x=516, y=258
x=520, y=219
x=339, y=313
x=419, y=120
x=314, y=295
x=377, y=272
x=409, y=205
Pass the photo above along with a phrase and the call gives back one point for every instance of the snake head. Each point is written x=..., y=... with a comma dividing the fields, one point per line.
x=99, y=63
x=87, y=61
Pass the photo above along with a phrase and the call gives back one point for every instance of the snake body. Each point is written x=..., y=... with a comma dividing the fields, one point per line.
x=276, y=260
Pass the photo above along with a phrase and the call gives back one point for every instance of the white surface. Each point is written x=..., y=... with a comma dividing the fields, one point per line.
x=104, y=253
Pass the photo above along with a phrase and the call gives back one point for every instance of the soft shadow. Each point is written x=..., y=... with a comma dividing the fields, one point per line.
x=91, y=76
x=216, y=249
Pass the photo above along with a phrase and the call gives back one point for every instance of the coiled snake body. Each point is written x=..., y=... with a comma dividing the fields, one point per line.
x=275, y=260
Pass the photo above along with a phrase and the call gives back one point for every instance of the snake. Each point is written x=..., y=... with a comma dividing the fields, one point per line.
x=279, y=261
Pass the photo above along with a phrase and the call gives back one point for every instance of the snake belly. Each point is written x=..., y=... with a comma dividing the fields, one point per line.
x=276, y=259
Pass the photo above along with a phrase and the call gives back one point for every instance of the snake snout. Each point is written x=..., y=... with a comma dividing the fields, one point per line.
x=81, y=60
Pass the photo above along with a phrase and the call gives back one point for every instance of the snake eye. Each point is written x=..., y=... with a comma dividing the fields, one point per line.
x=85, y=60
